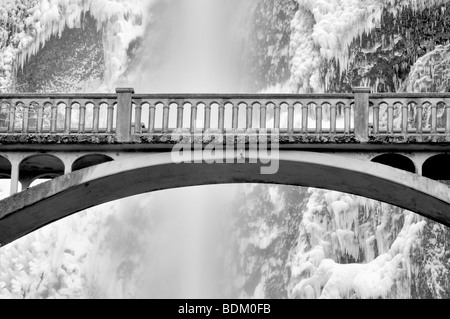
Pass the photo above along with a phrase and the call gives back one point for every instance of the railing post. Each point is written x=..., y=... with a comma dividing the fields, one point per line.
x=319, y=116
x=361, y=112
x=277, y=115
x=95, y=117
x=151, y=118
x=12, y=117
x=67, y=119
x=249, y=118
x=405, y=118
x=138, y=118
x=291, y=118
x=447, y=125
x=194, y=109
x=221, y=124
x=124, y=114
x=376, y=119
x=263, y=116
x=333, y=122
x=207, y=125
x=25, y=118
x=53, y=119
x=82, y=119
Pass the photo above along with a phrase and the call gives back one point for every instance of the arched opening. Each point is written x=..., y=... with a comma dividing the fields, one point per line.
x=5, y=167
x=5, y=175
x=437, y=167
x=396, y=161
x=42, y=166
x=90, y=160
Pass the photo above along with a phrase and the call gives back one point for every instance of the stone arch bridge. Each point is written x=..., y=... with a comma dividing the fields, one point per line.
x=96, y=148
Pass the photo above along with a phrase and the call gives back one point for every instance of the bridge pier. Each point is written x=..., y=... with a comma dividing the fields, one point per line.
x=124, y=114
x=14, y=188
x=361, y=111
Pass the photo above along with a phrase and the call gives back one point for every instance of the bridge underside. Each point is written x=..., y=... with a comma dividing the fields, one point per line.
x=40, y=205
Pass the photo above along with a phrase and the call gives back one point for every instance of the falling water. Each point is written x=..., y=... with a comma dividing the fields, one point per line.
x=190, y=48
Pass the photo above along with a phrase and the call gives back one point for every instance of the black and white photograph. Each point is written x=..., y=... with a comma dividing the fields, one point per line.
x=238, y=150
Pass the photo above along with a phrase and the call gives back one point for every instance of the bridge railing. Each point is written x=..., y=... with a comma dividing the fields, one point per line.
x=301, y=114
x=125, y=113
x=57, y=113
x=410, y=114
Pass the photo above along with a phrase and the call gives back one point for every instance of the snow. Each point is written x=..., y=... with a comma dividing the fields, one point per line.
x=317, y=274
x=122, y=21
x=431, y=73
x=323, y=30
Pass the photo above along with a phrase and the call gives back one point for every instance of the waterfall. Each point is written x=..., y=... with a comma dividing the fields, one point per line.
x=224, y=241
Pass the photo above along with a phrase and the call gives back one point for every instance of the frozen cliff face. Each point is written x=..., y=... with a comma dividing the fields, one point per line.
x=431, y=73
x=354, y=43
x=25, y=26
x=73, y=62
x=308, y=243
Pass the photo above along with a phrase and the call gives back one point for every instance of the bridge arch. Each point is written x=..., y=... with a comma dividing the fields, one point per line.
x=437, y=167
x=396, y=161
x=40, y=205
x=90, y=160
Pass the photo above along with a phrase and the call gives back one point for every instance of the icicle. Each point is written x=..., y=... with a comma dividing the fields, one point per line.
x=324, y=30
x=49, y=18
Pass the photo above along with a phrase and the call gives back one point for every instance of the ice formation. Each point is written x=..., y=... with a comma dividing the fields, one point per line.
x=431, y=73
x=34, y=22
x=323, y=30
x=382, y=265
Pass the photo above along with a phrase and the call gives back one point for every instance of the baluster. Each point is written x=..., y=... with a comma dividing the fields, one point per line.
x=390, y=122
x=194, y=109
x=319, y=108
x=180, y=111
x=96, y=117
x=166, y=109
x=405, y=118
x=333, y=115
x=221, y=117
x=249, y=125
x=376, y=119
x=12, y=116
x=82, y=118
x=434, y=118
x=68, y=117
x=137, y=117
x=110, y=117
x=151, y=118
x=276, y=115
x=26, y=117
x=291, y=118
x=207, y=116
x=263, y=116
x=419, y=109
x=347, y=118
x=54, y=118
x=305, y=115
x=40, y=117
x=447, y=124
x=235, y=116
